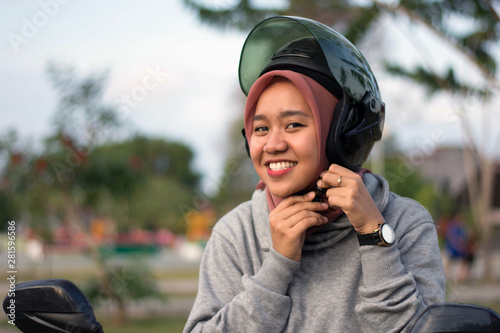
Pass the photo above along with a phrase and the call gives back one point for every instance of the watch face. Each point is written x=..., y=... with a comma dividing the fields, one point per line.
x=387, y=233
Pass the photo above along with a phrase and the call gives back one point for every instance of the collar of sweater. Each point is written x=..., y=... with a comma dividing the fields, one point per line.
x=330, y=233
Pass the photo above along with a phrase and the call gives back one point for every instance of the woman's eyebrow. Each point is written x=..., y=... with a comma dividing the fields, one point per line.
x=292, y=113
x=283, y=114
x=259, y=117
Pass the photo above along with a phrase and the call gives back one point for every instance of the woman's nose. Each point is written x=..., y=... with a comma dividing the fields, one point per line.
x=276, y=143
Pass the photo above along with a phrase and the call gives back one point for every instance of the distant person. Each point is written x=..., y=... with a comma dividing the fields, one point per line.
x=460, y=246
x=470, y=250
x=323, y=245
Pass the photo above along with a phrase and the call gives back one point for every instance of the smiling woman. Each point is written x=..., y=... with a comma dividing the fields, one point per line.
x=319, y=247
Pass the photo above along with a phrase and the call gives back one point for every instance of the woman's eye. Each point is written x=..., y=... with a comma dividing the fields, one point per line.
x=295, y=125
x=260, y=129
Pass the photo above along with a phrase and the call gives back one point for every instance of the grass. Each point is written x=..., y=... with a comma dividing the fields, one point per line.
x=178, y=274
x=495, y=306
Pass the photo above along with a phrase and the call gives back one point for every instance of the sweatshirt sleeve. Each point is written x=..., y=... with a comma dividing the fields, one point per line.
x=229, y=300
x=400, y=281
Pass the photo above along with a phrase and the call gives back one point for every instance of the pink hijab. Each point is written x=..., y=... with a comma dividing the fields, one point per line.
x=322, y=104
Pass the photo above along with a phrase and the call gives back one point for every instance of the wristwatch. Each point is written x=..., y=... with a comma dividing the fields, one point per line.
x=383, y=235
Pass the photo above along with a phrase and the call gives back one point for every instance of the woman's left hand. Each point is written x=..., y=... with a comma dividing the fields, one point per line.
x=347, y=191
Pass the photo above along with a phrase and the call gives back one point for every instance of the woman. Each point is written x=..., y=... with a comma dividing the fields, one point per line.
x=323, y=245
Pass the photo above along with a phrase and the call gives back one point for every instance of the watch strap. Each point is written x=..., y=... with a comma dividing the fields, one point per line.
x=369, y=239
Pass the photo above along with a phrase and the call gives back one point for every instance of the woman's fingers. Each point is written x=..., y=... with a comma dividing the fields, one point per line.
x=347, y=191
x=288, y=235
x=300, y=213
x=337, y=177
x=300, y=221
x=294, y=204
x=290, y=221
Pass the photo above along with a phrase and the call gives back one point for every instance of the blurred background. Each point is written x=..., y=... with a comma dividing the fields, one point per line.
x=120, y=142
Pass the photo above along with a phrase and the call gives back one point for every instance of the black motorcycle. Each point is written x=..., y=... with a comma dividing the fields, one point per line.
x=58, y=306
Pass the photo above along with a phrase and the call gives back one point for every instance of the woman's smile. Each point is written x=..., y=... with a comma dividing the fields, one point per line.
x=278, y=169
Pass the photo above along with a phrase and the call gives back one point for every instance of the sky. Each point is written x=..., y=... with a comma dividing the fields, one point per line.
x=175, y=78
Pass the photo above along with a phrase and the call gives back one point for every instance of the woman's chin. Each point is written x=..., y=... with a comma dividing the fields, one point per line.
x=283, y=192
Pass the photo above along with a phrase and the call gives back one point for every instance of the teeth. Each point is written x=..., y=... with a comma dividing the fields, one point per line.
x=281, y=165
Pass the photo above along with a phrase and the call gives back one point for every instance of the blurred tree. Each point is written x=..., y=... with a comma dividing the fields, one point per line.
x=356, y=18
x=83, y=119
x=81, y=122
x=89, y=167
x=83, y=172
x=130, y=281
x=408, y=182
x=239, y=178
x=476, y=43
x=164, y=158
x=10, y=157
x=245, y=14
x=141, y=182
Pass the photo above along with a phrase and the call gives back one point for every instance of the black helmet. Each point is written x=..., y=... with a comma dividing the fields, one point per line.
x=316, y=50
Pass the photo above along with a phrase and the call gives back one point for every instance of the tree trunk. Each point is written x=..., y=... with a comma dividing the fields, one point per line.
x=487, y=173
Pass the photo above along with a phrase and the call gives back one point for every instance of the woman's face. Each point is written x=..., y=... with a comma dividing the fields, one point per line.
x=283, y=146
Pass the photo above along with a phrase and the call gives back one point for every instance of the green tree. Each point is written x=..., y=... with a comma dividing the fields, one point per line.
x=82, y=117
x=138, y=182
x=239, y=178
x=129, y=281
x=11, y=158
x=355, y=19
x=405, y=180
x=141, y=182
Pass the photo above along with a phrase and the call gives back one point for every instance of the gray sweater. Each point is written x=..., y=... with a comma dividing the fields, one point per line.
x=338, y=286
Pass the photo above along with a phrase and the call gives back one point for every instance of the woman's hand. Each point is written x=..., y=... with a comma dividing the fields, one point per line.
x=290, y=221
x=347, y=191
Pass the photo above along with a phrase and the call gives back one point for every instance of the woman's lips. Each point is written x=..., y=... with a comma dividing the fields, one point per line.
x=278, y=169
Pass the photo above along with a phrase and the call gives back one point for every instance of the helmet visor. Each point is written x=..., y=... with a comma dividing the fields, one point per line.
x=347, y=65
